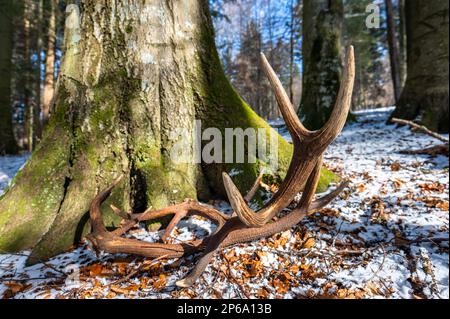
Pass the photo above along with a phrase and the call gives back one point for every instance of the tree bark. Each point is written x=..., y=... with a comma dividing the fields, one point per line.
x=322, y=60
x=393, y=50
x=132, y=73
x=402, y=41
x=425, y=95
x=8, y=143
x=37, y=49
x=49, y=80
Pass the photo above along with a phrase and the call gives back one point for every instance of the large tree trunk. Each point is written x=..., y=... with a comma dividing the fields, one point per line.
x=8, y=144
x=132, y=74
x=425, y=94
x=322, y=60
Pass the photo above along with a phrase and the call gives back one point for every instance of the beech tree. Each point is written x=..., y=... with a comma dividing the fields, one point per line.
x=132, y=73
x=322, y=59
x=425, y=94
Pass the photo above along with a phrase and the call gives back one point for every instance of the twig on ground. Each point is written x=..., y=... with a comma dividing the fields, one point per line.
x=39, y=260
x=137, y=270
x=233, y=279
x=375, y=274
x=421, y=128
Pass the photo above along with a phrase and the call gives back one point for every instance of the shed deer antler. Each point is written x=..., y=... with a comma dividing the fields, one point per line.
x=245, y=225
x=308, y=147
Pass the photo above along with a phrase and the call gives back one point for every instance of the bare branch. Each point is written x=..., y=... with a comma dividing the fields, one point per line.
x=421, y=128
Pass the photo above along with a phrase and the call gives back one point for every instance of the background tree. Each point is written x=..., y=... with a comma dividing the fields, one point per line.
x=394, y=56
x=50, y=58
x=251, y=26
x=322, y=59
x=425, y=94
x=130, y=76
x=8, y=143
x=402, y=40
x=373, y=82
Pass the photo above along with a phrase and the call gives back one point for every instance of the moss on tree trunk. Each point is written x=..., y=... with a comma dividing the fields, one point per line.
x=322, y=60
x=132, y=74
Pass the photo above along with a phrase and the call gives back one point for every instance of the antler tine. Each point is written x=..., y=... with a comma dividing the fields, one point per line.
x=239, y=205
x=328, y=133
x=311, y=185
x=295, y=127
x=325, y=200
x=95, y=213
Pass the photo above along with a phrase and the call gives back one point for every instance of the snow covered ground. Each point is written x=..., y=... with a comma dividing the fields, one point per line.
x=9, y=165
x=386, y=237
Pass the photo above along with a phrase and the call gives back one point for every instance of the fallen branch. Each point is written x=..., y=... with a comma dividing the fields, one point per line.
x=421, y=128
x=442, y=149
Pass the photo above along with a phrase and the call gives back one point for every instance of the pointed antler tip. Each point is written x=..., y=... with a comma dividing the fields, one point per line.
x=350, y=53
x=263, y=57
x=118, y=179
x=183, y=283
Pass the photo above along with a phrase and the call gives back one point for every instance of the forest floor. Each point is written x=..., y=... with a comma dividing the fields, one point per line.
x=385, y=237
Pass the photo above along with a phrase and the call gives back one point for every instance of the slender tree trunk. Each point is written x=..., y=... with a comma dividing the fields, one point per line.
x=291, y=52
x=133, y=74
x=425, y=95
x=402, y=41
x=37, y=50
x=393, y=50
x=322, y=59
x=19, y=75
x=49, y=80
x=8, y=143
x=272, y=108
x=27, y=77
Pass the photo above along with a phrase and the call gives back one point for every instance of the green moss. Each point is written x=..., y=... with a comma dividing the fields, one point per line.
x=129, y=28
x=31, y=203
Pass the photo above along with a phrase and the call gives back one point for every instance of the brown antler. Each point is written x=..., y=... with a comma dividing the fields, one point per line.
x=308, y=147
x=244, y=225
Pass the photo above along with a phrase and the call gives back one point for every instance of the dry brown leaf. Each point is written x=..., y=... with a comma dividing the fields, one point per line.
x=432, y=187
x=262, y=293
x=160, y=282
x=397, y=183
x=431, y=201
x=395, y=167
x=93, y=270
x=442, y=205
x=252, y=268
x=118, y=290
x=378, y=210
x=309, y=243
x=280, y=286
x=14, y=288
x=111, y=295
x=294, y=269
